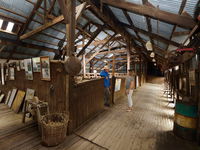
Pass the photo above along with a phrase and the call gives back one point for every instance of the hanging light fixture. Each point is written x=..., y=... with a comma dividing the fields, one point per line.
x=154, y=64
x=153, y=60
x=149, y=46
x=152, y=54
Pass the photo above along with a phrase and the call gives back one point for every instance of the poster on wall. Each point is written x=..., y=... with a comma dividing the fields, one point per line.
x=22, y=64
x=29, y=94
x=36, y=64
x=45, y=68
x=117, y=85
x=192, y=77
x=11, y=73
x=2, y=75
x=28, y=69
x=18, y=65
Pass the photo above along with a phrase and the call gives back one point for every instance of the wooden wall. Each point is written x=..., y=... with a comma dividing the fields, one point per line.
x=121, y=93
x=86, y=100
x=52, y=91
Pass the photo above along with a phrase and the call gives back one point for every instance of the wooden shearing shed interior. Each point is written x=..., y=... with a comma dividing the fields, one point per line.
x=99, y=74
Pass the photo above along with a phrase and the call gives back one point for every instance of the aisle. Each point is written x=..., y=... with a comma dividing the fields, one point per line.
x=147, y=127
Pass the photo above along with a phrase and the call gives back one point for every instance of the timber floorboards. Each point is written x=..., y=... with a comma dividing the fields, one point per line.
x=148, y=127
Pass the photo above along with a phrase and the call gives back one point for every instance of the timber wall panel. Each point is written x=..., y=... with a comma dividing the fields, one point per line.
x=55, y=97
x=86, y=100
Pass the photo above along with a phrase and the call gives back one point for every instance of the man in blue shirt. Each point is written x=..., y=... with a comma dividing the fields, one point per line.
x=105, y=75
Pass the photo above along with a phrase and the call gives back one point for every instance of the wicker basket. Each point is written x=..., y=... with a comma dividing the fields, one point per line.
x=54, y=129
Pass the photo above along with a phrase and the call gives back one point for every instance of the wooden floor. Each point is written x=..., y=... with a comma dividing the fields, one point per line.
x=147, y=127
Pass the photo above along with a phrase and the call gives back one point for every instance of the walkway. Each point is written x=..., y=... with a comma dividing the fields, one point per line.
x=148, y=127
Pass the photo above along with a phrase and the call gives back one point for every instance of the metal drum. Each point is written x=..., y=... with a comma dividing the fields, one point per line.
x=185, y=120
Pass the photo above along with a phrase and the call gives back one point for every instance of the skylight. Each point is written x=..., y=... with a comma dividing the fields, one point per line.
x=1, y=22
x=10, y=26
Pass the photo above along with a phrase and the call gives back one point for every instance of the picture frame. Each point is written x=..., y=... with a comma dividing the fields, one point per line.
x=12, y=97
x=2, y=97
x=8, y=97
x=29, y=94
x=11, y=73
x=18, y=65
x=18, y=101
x=45, y=68
x=2, y=75
x=36, y=64
x=28, y=69
x=21, y=63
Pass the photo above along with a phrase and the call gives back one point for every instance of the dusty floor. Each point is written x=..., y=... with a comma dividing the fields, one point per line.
x=148, y=127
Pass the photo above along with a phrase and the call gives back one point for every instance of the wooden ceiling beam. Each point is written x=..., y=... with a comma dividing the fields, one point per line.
x=96, y=43
x=90, y=41
x=111, y=22
x=161, y=15
x=31, y=16
x=180, y=12
x=96, y=53
x=153, y=35
x=5, y=41
x=50, y=24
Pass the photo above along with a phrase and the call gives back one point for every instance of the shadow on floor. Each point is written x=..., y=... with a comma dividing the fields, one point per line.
x=174, y=142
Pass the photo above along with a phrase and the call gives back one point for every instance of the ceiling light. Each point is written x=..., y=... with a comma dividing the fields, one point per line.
x=153, y=60
x=152, y=54
x=10, y=26
x=149, y=46
x=154, y=64
x=1, y=23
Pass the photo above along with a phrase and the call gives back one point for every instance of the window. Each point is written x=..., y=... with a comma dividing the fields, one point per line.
x=10, y=26
x=1, y=22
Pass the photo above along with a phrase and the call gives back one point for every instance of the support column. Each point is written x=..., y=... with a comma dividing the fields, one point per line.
x=128, y=61
x=70, y=27
x=84, y=66
x=140, y=72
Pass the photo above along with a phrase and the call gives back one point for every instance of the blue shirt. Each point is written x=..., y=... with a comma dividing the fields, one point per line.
x=106, y=78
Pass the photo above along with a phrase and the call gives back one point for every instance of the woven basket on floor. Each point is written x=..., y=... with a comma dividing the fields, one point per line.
x=54, y=129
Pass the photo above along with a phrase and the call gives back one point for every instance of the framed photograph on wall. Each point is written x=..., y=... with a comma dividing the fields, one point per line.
x=36, y=64
x=29, y=94
x=2, y=75
x=18, y=65
x=45, y=68
x=11, y=73
x=28, y=69
x=22, y=64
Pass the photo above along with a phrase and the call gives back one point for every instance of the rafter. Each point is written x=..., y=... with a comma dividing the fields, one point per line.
x=5, y=41
x=96, y=53
x=90, y=41
x=168, y=17
x=152, y=35
x=50, y=24
x=180, y=12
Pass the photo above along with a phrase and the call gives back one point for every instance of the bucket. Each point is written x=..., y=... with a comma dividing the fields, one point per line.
x=185, y=120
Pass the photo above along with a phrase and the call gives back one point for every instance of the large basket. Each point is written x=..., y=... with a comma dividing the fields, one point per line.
x=54, y=129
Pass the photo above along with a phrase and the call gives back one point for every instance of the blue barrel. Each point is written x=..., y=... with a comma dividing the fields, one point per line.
x=185, y=120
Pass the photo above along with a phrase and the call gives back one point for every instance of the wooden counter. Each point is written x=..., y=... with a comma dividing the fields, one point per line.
x=86, y=100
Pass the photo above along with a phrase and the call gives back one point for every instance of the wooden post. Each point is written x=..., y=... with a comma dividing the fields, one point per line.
x=135, y=69
x=140, y=72
x=113, y=80
x=84, y=66
x=113, y=66
x=70, y=27
x=70, y=37
x=128, y=61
